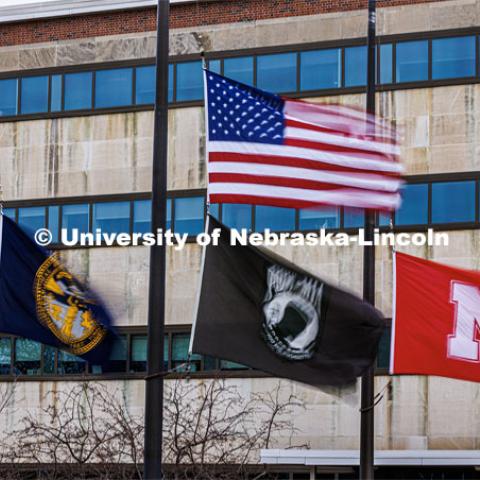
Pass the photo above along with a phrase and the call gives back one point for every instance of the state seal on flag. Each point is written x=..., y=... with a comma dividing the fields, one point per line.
x=65, y=308
x=291, y=309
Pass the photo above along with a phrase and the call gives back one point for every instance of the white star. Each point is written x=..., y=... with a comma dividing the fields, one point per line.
x=224, y=105
x=277, y=136
x=217, y=84
x=251, y=120
x=250, y=134
x=278, y=124
x=257, y=115
x=210, y=77
x=263, y=135
x=237, y=94
x=270, y=117
x=237, y=107
x=214, y=131
x=263, y=123
x=226, y=132
x=214, y=117
x=250, y=109
x=238, y=132
x=256, y=128
x=230, y=87
x=264, y=110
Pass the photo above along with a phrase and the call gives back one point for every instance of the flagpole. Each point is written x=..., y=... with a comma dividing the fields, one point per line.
x=367, y=447
x=156, y=291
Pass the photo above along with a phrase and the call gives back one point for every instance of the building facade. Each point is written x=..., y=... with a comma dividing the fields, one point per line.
x=76, y=127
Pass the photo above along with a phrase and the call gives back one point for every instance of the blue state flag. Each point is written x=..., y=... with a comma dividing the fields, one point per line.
x=41, y=300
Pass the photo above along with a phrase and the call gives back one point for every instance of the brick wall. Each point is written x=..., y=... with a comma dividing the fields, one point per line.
x=182, y=16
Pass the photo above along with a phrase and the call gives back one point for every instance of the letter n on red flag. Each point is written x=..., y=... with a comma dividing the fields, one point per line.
x=436, y=321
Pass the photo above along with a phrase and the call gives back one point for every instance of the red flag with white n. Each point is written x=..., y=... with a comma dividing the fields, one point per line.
x=436, y=321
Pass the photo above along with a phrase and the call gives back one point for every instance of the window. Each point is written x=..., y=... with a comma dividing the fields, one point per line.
x=138, y=362
x=48, y=359
x=69, y=364
x=113, y=88
x=10, y=213
x=412, y=61
x=237, y=216
x=215, y=210
x=453, y=202
x=78, y=91
x=34, y=98
x=142, y=216
x=112, y=217
x=171, y=82
x=274, y=218
x=189, y=81
x=315, y=219
x=383, y=356
x=75, y=216
x=414, y=208
x=118, y=356
x=227, y=365
x=180, y=345
x=8, y=97
x=5, y=355
x=320, y=69
x=189, y=215
x=240, y=69
x=277, y=72
x=27, y=356
x=386, y=63
x=145, y=85
x=353, y=217
x=31, y=218
x=53, y=222
x=215, y=66
x=355, y=66
x=56, y=93
x=384, y=219
x=453, y=57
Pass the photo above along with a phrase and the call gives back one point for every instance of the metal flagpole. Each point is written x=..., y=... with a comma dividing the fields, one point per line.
x=156, y=292
x=367, y=447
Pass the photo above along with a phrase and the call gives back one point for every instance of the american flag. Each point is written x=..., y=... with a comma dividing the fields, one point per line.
x=267, y=150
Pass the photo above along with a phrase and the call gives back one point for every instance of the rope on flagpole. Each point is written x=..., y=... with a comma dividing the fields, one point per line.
x=377, y=398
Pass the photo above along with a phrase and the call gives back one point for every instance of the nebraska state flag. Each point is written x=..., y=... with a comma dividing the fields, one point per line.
x=436, y=321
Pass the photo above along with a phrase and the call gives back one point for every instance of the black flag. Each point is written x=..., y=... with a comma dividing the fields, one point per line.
x=258, y=309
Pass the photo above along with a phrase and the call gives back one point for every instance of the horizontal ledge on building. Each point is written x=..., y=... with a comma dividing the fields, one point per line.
x=382, y=457
x=66, y=8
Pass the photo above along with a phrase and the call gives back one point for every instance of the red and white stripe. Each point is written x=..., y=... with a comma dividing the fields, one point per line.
x=328, y=158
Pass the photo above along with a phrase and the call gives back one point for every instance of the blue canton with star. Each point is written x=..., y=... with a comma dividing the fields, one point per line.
x=239, y=113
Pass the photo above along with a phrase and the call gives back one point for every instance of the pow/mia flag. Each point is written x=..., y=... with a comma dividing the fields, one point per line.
x=42, y=301
x=259, y=310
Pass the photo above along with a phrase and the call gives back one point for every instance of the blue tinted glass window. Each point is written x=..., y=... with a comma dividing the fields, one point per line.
x=453, y=202
x=48, y=357
x=383, y=356
x=117, y=362
x=189, y=81
x=145, y=85
x=10, y=213
x=138, y=354
x=69, y=364
x=169, y=214
x=315, y=219
x=75, y=216
x=112, y=217
x=215, y=66
x=414, y=208
x=113, y=88
x=170, y=82
x=27, y=356
x=240, y=69
x=412, y=61
x=31, y=218
x=453, y=57
x=214, y=210
x=5, y=355
x=54, y=222
x=274, y=218
x=355, y=66
x=34, y=98
x=189, y=215
x=78, y=91
x=142, y=216
x=180, y=345
x=227, y=365
x=277, y=72
x=237, y=216
x=353, y=217
x=386, y=63
x=8, y=97
x=56, y=93
x=320, y=69
x=384, y=219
